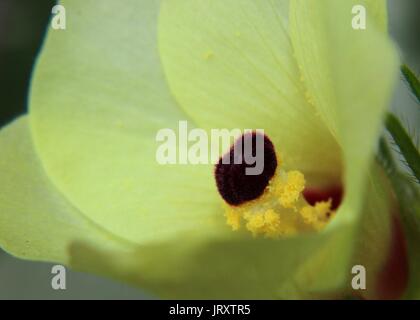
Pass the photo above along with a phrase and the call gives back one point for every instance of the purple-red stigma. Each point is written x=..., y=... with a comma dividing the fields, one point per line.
x=234, y=184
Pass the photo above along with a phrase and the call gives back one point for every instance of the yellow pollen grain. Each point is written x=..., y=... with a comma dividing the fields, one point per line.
x=264, y=223
x=318, y=215
x=273, y=224
x=323, y=209
x=292, y=189
x=255, y=224
x=233, y=218
x=309, y=98
x=281, y=210
x=208, y=55
x=308, y=215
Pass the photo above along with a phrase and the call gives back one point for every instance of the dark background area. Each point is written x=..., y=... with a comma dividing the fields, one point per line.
x=22, y=27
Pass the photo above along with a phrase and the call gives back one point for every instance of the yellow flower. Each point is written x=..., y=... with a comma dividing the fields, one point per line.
x=79, y=180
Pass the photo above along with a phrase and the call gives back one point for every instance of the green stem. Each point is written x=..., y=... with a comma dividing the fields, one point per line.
x=412, y=81
x=405, y=144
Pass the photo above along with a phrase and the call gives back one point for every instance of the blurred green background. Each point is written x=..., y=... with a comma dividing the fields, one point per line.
x=22, y=26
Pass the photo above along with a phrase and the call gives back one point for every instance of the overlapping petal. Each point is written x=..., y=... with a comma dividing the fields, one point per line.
x=36, y=221
x=232, y=65
x=98, y=99
x=349, y=75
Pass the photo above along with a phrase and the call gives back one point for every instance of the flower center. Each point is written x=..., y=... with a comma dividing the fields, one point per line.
x=275, y=202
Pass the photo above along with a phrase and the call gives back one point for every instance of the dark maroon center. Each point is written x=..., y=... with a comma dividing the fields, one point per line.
x=335, y=194
x=234, y=182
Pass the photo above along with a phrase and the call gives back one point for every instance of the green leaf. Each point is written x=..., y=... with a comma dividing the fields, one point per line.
x=412, y=81
x=404, y=143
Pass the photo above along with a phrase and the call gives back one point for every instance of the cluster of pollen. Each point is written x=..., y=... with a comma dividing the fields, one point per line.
x=272, y=203
x=281, y=210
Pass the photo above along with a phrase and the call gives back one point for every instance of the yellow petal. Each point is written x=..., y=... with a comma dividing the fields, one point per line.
x=36, y=221
x=349, y=74
x=230, y=64
x=98, y=99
